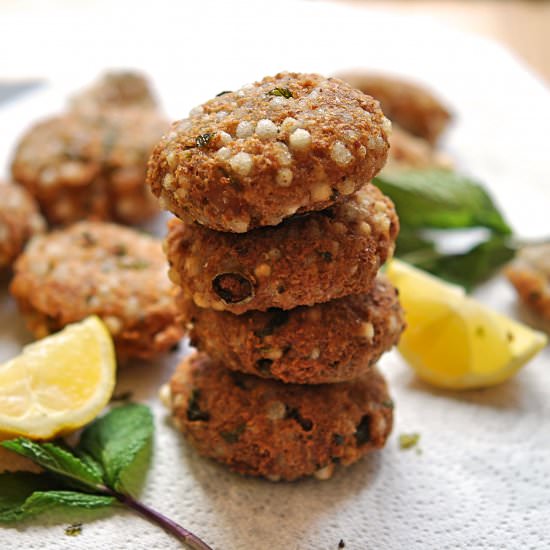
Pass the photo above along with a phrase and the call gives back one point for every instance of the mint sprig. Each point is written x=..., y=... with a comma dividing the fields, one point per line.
x=442, y=199
x=97, y=473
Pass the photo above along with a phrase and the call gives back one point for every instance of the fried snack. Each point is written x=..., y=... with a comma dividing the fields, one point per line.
x=408, y=151
x=103, y=269
x=19, y=221
x=326, y=343
x=410, y=105
x=279, y=431
x=90, y=167
x=289, y=144
x=530, y=275
x=305, y=260
x=115, y=89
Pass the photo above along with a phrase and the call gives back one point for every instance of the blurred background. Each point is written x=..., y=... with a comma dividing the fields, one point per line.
x=44, y=38
x=521, y=25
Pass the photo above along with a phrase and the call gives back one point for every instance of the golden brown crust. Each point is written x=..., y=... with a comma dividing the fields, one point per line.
x=279, y=431
x=305, y=260
x=247, y=158
x=19, y=221
x=411, y=106
x=103, y=269
x=530, y=275
x=325, y=343
x=92, y=167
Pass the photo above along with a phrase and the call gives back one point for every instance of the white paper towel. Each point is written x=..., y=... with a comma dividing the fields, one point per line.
x=482, y=479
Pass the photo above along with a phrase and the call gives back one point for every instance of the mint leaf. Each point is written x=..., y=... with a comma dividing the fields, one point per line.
x=410, y=241
x=24, y=494
x=91, y=463
x=435, y=198
x=57, y=461
x=16, y=487
x=46, y=501
x=118, y=441
x=438, y=198
x=42, y=501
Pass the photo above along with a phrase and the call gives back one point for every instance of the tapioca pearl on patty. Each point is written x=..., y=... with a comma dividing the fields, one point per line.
x=300, y=140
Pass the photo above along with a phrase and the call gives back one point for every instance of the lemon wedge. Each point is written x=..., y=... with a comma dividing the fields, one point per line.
x=454, y=342
x=59, y=383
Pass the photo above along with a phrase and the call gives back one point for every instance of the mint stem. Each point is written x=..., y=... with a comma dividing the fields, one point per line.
x=167, y=524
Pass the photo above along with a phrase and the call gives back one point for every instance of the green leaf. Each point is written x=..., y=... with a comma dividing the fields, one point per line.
x=47, y=501
x=409, y=241
x=467, y=269
x=118, y=441
x=438, y=198
x=24, y=494
x=476, y=265
x=91, y=463
x=42, y=501
x=16, y=487
x=57, y=461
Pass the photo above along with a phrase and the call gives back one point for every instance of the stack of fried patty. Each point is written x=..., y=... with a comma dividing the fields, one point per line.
x=276, y=247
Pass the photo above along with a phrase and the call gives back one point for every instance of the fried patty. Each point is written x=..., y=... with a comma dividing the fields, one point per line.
x=19, y=221
x=305, y=260
x=410, y=105
x=90, y=167
x=331, y=342
x=115, y=89
x=530, y=275
x=104, y=269
x=279, y=431
x=288, y=144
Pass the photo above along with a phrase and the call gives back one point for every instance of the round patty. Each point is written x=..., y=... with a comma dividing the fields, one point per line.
x=330, y=342
x=291, y=143
x=90, y=167
x=103, y=269
x=115, y=89
x=279, y=431
x=410, y=105
x=19, y=221
x=303, y=261
x=530, y=275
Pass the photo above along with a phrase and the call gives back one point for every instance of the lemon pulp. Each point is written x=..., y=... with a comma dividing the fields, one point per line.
x=58, y=383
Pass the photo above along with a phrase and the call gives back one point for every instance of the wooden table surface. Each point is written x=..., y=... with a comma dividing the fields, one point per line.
x=523, y=26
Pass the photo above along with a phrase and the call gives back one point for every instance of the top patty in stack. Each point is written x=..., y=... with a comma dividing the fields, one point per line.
x=289, y=144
